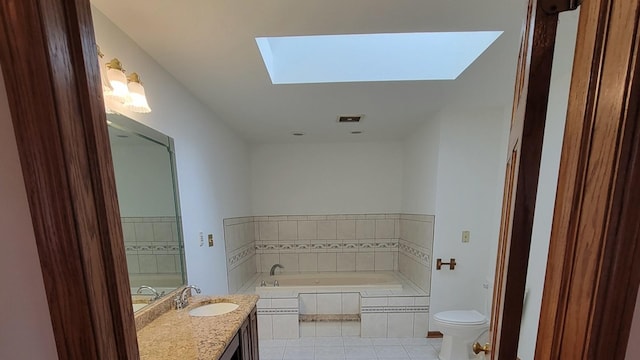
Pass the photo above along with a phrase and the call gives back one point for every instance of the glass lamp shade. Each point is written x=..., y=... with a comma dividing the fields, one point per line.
x=137, y=100
x=118, y=82
x=106, y=85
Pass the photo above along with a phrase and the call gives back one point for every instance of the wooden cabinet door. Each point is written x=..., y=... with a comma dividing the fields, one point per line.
x=253, y=333
x=245, y=341
x=231, y=352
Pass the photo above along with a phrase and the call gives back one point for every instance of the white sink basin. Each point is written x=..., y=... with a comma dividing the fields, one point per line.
x=213, y=309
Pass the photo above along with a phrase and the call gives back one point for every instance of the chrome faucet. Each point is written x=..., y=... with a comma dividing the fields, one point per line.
x=273, y=269
x=156, y=295
x=181, y=300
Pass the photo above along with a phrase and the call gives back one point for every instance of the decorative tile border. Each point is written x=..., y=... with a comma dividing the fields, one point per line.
x=267, y=311
x=169, y=219
x=326, y=246
x=419, y=254
x=395, y=309
x=241, y=256
x=328, y=317
x=152, y=249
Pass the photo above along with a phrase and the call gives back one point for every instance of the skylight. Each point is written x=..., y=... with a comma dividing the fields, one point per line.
x=372, y=57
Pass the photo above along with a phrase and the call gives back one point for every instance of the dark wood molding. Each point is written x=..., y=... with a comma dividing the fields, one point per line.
x=531, y=95
x=434, y=335
x=51, y=73
x=592, y=273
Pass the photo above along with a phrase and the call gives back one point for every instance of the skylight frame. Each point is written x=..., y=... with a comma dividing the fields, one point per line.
x=347, y=57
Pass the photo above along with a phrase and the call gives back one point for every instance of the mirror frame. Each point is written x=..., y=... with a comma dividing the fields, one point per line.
x=124, y=123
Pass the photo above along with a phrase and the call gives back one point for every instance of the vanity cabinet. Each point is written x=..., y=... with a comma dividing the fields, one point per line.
x=253, y=330
x=244, y=345
x=249, y=337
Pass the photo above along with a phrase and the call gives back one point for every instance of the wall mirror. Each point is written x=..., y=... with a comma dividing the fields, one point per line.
x=146, y=181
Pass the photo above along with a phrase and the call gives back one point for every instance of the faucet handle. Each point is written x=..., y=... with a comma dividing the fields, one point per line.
x=276, y=283
x=177, y=301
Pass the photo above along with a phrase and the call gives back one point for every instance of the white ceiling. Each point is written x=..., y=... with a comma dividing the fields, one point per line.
x=209, y=46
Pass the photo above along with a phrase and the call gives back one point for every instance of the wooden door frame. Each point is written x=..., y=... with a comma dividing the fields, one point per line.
x=50, y=68
x=592, y=270
x=524, y=153
x=49, y=62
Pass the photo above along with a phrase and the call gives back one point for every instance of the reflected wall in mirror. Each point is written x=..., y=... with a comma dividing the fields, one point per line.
x=145, y=172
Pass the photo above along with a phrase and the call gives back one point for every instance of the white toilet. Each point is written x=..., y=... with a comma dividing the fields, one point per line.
x=461, y=327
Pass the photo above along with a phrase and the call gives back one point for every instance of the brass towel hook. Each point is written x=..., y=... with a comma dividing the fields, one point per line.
x=451, y=263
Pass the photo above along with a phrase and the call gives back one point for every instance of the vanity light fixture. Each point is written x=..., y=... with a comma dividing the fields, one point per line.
x=137, y=100
x=122, y=89
x=118, y=81
x=106, y=86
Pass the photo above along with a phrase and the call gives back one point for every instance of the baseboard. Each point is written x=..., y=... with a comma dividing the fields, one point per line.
x=434, y=334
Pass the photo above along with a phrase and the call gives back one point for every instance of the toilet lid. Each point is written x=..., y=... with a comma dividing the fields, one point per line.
x=462, y=317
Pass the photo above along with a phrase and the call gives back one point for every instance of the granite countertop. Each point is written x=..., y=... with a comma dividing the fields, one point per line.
x=177, y=335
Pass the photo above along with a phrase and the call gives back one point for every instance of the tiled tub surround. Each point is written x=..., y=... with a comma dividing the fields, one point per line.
x=152, y=250
x=322, y=243
x=240, y=249
x=328, y=242
x=387, y=310
x=177, y=335
x=416, y=249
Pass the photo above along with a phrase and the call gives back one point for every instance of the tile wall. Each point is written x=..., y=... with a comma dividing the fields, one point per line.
x=240, y=248
x=416, y=248
x=325, y=243
x=152, y=246
x=328, y=242
x=395, y=316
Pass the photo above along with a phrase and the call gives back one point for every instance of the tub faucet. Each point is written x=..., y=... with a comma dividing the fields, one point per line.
x=156, y=295
x=273, y=269
x=181, y=300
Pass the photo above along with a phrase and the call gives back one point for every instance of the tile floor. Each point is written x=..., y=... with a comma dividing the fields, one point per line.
x=336, y=348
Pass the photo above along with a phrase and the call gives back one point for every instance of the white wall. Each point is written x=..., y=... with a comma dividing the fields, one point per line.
x=454, y=169
x=212, y=161
x=545, y=201
x=469, y=192
x=143, y=179
x=330, y=178
x=25, y=325
x=420, y=173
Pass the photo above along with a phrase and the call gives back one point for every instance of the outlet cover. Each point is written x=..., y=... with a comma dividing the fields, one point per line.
x=210, y=240
x=466, y=236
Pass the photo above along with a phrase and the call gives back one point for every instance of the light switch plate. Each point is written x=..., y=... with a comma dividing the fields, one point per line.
x=201, y=237
x=466, y=236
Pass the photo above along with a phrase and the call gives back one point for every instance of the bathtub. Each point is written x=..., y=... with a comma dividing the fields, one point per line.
x=330, y=281
x=366, y=304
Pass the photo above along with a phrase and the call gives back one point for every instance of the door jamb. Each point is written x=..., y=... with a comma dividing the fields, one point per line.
x=592, y=274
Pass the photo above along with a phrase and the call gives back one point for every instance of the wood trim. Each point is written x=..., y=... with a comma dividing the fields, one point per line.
x=50, y=67
x=521, y=178
x=592, y=277
x=434, y=335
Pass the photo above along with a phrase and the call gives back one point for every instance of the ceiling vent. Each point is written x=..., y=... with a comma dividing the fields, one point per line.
x=350, y=119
